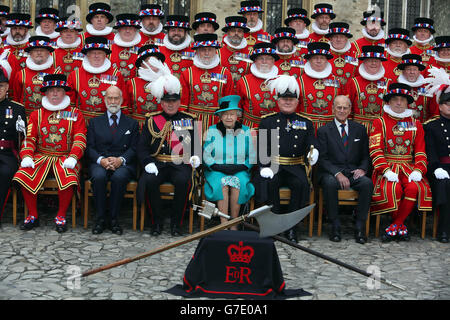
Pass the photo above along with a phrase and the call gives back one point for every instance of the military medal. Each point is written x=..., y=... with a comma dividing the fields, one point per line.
x=351, y=60
x=288, y=126
x=187, y=55
x=263, y=38
x=242, y=57
x=77, y=56
x=298, y=125
x=218, y=77
x=8, y=113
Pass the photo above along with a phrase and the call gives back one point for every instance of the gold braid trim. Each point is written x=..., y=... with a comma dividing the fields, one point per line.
x=167, y=129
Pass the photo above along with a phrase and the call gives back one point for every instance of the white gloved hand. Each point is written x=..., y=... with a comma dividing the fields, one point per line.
x=20, y=125
x=70, y=163
x=440, y=173
x=415, y=176
x=151, y=168
x=194, y=161
x=266, y=173
x=27, y=162
x=391, y=176
x=314, y=156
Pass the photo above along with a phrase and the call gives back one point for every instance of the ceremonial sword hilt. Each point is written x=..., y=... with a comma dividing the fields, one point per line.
x=209, y=210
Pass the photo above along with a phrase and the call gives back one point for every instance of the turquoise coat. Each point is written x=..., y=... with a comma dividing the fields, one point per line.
x=232, y=148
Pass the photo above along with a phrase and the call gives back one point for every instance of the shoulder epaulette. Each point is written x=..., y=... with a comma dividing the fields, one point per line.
x=189, y=114
x=14, y=101
x=303, y=116
x=268, y=115
x=430, y=120
x=151, y=114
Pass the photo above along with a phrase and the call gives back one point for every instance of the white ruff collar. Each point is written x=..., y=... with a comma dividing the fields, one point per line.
x=436, y=56
x=214, y=63
x=241, y=46
x=89, y=68
x=186, y=43
x=50, y=107
x=158, y=30
x=317, y=30
x=269, y=75
x=371, y=77
x=418, y=83
x=397, y=55
x=294, y=50
x=405, y=114
x=11, y=42
x=92, y=31
x=52, y=35
x=259, y=26
x=422, y=42
x=379, y=36
x=305, y=34
x=64, y=45
x=347, y=47
x=318, y=75
x=39, y=67
x=118, y=40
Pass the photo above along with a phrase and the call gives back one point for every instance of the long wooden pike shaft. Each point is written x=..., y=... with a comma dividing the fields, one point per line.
x=171, y=245
x=323, y=256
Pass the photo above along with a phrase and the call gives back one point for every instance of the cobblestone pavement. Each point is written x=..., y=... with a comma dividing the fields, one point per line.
x=37, y=265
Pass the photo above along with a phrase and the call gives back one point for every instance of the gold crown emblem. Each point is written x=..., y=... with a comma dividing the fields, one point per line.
x=53, y=118
x=94, y=82
x=124, y=54
x=206, y=77
x=37, y=79
x=371, y=88
x=339, y=62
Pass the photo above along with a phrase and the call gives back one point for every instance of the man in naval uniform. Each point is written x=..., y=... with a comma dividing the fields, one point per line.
x=54, y=145
x=437, y=139
x=285, y=156
x=166, y=152
x=12, y=124
x=397, y=150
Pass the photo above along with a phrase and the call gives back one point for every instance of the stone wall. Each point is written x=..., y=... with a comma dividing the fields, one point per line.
x=439, y=11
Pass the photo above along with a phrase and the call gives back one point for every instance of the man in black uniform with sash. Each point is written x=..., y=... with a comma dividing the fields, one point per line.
x=437, y=140
x=165, y=150
x=293, y=135
x=12, y=120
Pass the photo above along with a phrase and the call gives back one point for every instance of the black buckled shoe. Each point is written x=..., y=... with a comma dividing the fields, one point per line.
x=29, y=223
x=60, y=224
x=98, y=228
x=359, y=237
x=443, y=237
x=175, y=231
x=115, y=228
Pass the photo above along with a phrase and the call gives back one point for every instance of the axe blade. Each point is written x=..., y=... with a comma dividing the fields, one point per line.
x=271, y=224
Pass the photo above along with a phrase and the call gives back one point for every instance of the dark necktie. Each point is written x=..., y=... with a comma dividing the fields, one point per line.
x=344, y=136
x=114, y=124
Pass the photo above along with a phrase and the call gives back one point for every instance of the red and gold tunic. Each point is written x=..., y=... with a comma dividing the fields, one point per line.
x=256, y=100
x=16, y=58
x=315, y=37
x=88, y=90
x=178, y=61
x=391, y=67
x=257, y=37
x=141, y=100
x=201, y=90
x=421, y=104
x=152, y=39
x=367, y=98
x=52, y=136
x=124, y=58
x=27, y=87
x=291, y=65
x=109, y=36
x=68, y=59
x=398, y=145
x=316, y=98
x=427, y=54
x=344, y=64
x=363, y=41
x=236, y=61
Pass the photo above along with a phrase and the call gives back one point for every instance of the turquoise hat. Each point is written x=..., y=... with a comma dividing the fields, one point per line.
x=228, y=103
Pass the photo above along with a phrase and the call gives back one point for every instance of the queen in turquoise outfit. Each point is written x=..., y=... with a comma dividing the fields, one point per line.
x=228, y=156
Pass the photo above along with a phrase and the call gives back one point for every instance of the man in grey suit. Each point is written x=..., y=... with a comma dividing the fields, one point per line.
x=343, y=164
x=111, y=148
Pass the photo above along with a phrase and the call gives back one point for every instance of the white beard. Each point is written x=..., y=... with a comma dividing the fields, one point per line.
x=158, y=30
x=269, y=75
x=214, y=62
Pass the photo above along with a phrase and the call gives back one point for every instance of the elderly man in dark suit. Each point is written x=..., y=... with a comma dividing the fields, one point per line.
x=111, y=147
x=343, y=164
